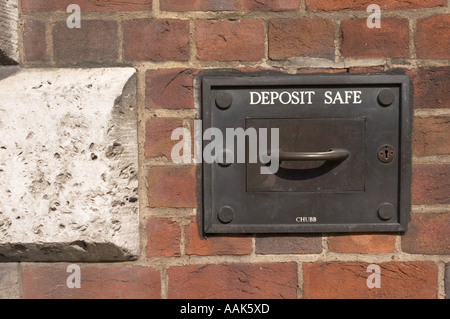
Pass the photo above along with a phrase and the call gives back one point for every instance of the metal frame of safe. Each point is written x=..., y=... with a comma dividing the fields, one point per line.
x=381, y=204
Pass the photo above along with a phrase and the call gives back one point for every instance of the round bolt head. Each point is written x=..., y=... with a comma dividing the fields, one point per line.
x=386, y=211
x=226, y=214
x=223, y=100
x=386, y=97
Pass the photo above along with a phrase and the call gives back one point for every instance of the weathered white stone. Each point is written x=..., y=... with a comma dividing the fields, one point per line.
x=9, y=15
x=68, y=165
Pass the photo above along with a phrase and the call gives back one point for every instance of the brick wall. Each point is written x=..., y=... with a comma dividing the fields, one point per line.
x=169, y=42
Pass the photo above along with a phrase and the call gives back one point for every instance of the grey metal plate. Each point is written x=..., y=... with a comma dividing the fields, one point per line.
x=359, y=194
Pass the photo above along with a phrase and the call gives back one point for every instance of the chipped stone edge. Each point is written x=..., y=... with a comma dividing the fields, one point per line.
x=80, y=251
x=9, y=16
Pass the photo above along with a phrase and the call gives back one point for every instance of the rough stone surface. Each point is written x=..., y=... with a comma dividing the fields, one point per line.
x=9, y=281
x=9, y=15
x=68, y=164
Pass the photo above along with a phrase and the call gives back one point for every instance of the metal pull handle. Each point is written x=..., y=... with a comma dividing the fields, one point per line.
x=331, y=155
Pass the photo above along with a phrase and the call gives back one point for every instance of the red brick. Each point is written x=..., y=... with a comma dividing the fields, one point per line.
x=362, y=244
x=241, y=40
x=290, y=38
x=223, y=245
x=170, y=89
x=427, y=234
x=320, y=5
x=430, y=184
x=288, y=245
x=431, y=136
x=163, y=237
x=95, y=42
x=158, y=132
x=433, y=37
x=431, y=87
x=156, y=40
x=230, y=5
x=399, y=280
x=49, y=282
x=389, y=41
x=9, y=280
x=86, y=5
x=34, y=41
x=172, y=186
x=234, y=281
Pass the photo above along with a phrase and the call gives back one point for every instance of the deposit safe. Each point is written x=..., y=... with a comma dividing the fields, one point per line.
x=306, y=153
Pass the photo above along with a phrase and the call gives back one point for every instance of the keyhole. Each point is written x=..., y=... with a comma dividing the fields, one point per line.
x=386, y=153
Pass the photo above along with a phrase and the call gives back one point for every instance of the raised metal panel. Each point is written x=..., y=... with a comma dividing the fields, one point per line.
x=366, y=191
x=313, y=135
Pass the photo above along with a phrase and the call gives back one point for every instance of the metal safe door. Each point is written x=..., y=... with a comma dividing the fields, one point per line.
x=344, y=154
x=313, y=174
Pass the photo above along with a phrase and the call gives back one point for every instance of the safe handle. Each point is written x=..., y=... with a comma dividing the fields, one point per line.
x=330, y=155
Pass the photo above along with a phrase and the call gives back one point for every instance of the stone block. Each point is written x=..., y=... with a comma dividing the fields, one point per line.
x=68, y=165
x=9, y=15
